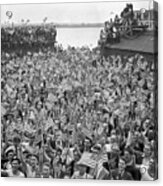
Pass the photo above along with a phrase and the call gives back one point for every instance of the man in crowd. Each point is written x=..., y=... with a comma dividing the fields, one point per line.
x=67, y=104
x=14, y=171
x=121, y=173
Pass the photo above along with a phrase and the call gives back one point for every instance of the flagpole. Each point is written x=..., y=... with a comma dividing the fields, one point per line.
x=149, y=10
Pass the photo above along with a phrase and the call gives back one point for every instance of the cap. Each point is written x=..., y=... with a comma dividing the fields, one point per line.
x=9, y=149
x=96, y=148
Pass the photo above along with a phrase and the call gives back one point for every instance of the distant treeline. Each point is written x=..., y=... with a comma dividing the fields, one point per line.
x=79, y=25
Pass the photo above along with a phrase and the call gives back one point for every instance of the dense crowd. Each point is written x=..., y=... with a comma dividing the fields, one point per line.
x=75, y=114
x=26, y=37
x=115, y=29
x=111, y=33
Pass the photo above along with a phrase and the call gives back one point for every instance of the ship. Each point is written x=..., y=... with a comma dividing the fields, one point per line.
x=136, y=35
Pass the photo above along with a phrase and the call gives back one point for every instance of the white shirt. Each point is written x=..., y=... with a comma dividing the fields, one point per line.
x=146, y=177
x=76, y=175
x=19, y=174
x=144, y=173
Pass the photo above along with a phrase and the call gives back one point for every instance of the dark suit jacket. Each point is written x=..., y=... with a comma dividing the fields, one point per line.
x=124, y=176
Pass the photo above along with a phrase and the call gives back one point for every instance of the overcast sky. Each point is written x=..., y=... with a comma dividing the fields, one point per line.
x=68, y=12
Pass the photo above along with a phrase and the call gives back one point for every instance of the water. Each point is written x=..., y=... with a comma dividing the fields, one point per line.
x=78, y=37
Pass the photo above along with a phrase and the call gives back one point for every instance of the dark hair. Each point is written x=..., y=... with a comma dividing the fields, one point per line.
x=106, y=166
x=9, y=152
x=47, y=164
x=59, y=150
x=4, y=174
x=28, y=155
x=121, y=158
x=128, y=149
x=39, y=101
x=35, y=156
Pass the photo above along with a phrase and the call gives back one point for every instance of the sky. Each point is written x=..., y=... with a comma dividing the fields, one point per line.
x=68, y=12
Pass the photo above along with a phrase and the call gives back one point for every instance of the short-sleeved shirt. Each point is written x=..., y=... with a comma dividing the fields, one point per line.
x=19, y=174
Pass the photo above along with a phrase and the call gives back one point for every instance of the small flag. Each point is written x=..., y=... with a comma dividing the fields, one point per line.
x=9, y=14
x=39, y=136
x=49, y=123
x=3, y=111
x=102, y=173
x=51, y=97
x=87, y=160
x=87, y=132
x=45, y=19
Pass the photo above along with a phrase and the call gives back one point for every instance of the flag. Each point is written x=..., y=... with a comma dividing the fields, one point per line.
x=49, y=105
x=27, y=128
x=102, y=172
x=74, y=136
x=32, y=115
x=39, y=136
x=86, y=159
x=49, y=123
x=87, y=132
x=51, y=97
x=100, y=130
x=9, y=14
x=45, y=19
x=103, y=157
x=3, y=111
x=111, y=13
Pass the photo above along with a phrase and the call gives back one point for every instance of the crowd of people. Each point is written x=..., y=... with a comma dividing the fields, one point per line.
x=114, y=30
x=75, y=114
x=28, y=36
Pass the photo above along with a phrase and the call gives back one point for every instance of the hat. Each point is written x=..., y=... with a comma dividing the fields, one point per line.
x=29, y=134
x=35, y=155
x=9, y=149
x=79, y=125
x=99, y=112
x=25, y=152
x=105, y=124
x=115, y=147
x=96, y=148
x=87, y=140
x=130, y=60
x=28, y=154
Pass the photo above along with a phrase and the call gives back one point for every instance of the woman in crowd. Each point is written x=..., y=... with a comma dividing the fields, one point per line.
x=72, y=113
